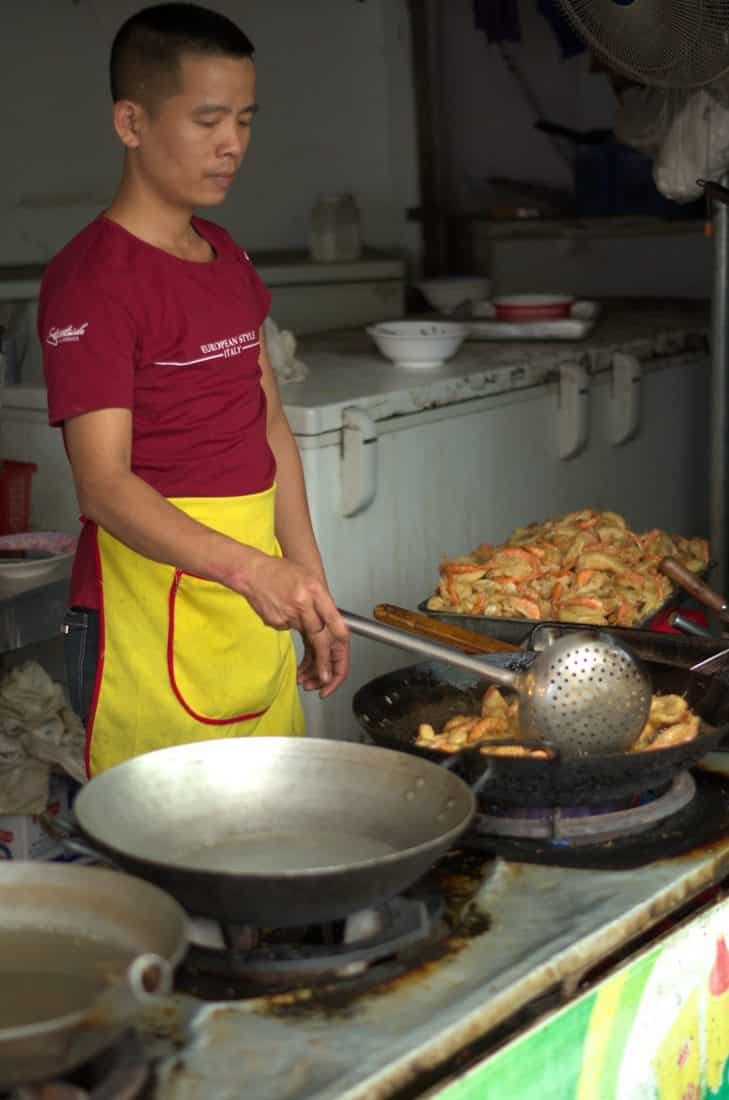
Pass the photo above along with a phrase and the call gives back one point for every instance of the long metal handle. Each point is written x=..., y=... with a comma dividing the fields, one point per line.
x=377, y=632
x=711, y=665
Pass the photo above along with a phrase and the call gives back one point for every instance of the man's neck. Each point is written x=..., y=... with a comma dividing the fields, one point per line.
x=156, y=223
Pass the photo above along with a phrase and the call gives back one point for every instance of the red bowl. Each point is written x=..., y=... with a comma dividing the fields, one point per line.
x=533, y=307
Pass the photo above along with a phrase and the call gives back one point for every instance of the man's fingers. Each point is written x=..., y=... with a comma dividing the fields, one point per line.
x=329, y=614
x=321, y=645
x=339, y=655
x=307, y=606
x=311, y=621
x=307, y=675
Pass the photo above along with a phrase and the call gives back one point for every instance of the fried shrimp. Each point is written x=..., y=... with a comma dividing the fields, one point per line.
x=584, y=567
x=670, y=722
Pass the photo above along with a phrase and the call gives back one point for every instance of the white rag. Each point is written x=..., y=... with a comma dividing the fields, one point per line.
x=39, y=733
x=281, y=347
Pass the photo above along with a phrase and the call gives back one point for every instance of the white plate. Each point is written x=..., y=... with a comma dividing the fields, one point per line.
x=575, y=327
x=21, y=573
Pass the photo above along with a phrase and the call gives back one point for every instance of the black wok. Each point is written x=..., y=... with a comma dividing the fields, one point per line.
x=275, y=831
x=391, y=707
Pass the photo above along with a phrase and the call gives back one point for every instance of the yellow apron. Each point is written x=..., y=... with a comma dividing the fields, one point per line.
x=185, y=659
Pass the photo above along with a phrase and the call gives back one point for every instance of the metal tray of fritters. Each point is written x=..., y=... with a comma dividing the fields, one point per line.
x=649, y=645
x=517, y=631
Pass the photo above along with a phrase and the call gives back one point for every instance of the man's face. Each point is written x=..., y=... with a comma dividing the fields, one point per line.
x=190, y=147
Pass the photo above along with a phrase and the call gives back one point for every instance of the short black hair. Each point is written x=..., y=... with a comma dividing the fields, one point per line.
x=146, y=52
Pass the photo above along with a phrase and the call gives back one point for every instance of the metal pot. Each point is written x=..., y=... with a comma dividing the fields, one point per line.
x=81, y=951
x=275, y=831
x=391, y=707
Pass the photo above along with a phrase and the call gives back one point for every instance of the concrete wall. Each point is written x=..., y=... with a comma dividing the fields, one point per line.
x=490, y=115
x=337, y=114
x=335, y=84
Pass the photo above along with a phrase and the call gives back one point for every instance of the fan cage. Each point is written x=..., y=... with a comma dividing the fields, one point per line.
x=664, y=43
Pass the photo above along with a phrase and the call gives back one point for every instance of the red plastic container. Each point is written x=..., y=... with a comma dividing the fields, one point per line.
x=15, y=491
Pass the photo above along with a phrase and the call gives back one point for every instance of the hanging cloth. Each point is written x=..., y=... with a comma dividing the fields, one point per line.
x=499, y=19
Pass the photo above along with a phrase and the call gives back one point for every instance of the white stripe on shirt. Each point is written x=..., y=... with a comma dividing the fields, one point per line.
x=205, y=358
x=189, y=363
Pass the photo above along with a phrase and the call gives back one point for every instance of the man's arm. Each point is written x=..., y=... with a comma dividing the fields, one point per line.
x=294, y=530
x=284, y=593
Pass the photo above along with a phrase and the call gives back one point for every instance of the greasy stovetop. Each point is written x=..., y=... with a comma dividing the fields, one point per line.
x=520, y=932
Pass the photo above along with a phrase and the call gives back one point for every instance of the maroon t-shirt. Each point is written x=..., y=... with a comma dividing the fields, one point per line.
x=125, y=325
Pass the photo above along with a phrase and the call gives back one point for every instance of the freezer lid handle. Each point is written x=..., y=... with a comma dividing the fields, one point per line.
x=573, y=409
x=358, y=468
x=624, y=398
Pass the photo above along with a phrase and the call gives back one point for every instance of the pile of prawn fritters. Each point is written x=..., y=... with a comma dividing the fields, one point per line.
x=670, y=722
x=583, y=567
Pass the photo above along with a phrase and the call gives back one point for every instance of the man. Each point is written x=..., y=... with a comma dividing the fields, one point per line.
x=196, y=555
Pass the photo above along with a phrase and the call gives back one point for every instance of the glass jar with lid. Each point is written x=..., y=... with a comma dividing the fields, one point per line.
x=336, y=232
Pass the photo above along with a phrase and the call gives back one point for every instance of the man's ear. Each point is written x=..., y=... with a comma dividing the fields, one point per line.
x=128, y=117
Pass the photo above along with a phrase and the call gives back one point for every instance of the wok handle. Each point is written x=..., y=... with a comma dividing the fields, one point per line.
x=388, y=635
x=695, y=587
x=467, y=640
x=149, y=976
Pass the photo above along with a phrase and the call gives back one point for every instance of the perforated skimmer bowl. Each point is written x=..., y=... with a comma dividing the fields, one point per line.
x=585, y=694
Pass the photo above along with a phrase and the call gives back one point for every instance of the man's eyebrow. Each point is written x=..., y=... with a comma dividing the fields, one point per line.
x=219, y=108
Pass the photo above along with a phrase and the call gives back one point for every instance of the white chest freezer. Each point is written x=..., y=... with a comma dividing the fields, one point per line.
x=404, y=467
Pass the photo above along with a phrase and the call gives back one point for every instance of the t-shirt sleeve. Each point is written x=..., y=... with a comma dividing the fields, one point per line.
x=257, y=289
x=89, y=346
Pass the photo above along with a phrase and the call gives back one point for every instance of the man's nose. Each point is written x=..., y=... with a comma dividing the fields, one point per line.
x=232, y=141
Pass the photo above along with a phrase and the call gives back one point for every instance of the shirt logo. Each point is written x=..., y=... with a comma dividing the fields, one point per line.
x=218, y=349
x=67, y=335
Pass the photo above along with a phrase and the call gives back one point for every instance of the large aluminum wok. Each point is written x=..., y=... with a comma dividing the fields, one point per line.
x=391, y=707
x=275, y=830
x=81, y=950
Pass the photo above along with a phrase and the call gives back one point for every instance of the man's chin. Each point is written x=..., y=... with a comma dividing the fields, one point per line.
x=210, y=200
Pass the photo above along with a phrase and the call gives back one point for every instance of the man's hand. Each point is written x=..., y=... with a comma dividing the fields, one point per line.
x=308, y=674
x=288, y=597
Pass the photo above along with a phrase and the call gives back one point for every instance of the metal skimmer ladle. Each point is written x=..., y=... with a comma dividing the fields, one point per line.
x=586, y=695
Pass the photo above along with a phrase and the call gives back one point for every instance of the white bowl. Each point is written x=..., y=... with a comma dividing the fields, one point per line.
x=448, y=293
x=418, y=343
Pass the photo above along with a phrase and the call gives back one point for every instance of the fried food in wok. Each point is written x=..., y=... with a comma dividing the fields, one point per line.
x=583, y=567
x=670, y=722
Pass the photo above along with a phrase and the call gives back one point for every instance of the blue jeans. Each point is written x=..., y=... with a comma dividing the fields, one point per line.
x=81, y=656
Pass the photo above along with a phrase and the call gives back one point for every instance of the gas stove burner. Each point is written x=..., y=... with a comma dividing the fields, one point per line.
x=118, y=1073
x=699, y=820
x=589, y=825
x=284, y=958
